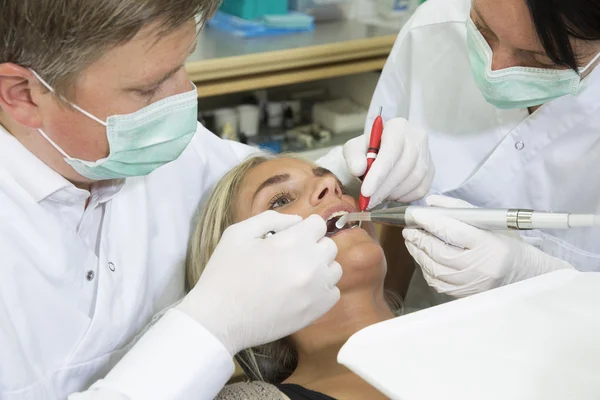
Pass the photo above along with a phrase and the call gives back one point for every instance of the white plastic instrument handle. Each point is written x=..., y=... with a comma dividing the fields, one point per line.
x=484, y=218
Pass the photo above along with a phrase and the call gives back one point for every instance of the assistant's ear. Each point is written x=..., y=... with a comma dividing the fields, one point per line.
x=16, y=86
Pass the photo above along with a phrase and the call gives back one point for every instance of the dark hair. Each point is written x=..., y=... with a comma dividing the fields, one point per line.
x=556, y=21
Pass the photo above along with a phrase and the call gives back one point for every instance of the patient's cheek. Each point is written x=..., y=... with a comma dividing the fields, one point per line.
x=299, y=208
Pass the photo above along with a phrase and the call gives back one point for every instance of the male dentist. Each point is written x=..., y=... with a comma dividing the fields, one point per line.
x=102, y=164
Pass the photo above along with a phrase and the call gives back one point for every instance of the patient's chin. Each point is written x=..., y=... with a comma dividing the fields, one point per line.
x=362, y=259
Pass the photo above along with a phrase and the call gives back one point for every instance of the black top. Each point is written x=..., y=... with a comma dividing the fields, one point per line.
x=297, y=392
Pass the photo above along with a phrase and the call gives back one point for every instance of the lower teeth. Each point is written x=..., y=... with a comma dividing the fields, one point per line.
x=334, y=229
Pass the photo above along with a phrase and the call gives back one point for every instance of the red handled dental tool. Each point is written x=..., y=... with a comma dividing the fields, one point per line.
x=374, y=145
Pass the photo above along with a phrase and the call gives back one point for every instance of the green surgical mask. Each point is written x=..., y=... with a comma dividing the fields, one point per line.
x=519, y=87
x=142, y=141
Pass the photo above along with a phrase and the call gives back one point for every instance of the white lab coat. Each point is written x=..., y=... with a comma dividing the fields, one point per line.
x=549, y=160
x=77, y=285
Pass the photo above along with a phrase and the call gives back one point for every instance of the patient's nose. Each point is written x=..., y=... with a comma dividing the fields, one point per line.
x=326, y=187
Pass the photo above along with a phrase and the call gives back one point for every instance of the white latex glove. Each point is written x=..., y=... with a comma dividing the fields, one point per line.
x=403, y=170
x=479, y=260
x=254, y=291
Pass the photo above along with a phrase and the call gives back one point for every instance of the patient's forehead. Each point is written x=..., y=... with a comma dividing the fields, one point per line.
x=285, y=165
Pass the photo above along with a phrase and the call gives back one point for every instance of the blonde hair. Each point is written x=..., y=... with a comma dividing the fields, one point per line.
x=217, y=215
x=272, y=362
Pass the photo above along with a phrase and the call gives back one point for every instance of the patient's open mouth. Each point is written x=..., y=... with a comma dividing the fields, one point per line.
x=333, y=218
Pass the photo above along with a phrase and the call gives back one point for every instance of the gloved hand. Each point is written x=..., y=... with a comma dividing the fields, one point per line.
x=483, y=260
x=254, y=291
x=403, y=170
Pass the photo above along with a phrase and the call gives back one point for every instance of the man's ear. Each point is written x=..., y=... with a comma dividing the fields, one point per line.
x=16, y=86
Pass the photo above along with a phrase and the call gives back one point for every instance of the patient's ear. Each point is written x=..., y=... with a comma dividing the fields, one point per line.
x=18, y=90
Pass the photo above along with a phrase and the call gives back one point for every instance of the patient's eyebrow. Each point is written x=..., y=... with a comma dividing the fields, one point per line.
x=274, y=180
x=320, y=171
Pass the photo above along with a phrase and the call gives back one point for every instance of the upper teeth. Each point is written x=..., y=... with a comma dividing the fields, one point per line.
x=337, y=214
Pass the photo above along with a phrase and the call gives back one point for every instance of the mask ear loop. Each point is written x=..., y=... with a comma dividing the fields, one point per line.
x=61, y=151
x=75, y=106
x=81, y=110
x=587, y=70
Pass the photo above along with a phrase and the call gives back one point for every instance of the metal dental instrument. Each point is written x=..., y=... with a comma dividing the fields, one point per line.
x=268, y=235
x=483, y=218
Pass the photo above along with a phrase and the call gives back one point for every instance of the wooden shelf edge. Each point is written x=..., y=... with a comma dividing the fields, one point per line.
x=283, y=66
x=262, y=81
x=221, y=68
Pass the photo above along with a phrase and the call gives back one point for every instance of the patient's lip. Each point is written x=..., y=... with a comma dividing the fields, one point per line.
x=338, y=207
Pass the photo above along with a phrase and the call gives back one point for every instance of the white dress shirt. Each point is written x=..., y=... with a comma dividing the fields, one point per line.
x=77, y=283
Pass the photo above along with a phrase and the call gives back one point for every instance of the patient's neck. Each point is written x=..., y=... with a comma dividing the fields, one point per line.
x=318, y=345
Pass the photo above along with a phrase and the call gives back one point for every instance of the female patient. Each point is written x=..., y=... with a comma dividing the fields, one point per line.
x=302, y=366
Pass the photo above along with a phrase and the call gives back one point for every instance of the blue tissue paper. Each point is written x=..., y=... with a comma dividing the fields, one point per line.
x=244, y=28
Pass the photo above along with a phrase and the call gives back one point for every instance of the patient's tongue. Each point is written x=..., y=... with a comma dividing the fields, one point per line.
x=331, y=228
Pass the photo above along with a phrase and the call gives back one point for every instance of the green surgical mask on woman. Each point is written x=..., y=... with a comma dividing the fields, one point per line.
x=519, y=87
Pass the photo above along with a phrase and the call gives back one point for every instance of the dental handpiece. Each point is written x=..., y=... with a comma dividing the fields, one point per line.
x=483, y=218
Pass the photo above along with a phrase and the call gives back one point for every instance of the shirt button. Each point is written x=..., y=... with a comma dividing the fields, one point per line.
x=111, y=266
x=90, y=275
x=519, y=145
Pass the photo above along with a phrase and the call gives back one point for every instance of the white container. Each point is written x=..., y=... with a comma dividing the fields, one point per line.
x=389, y=9
x=225, y=116
x=249, y=119
x=322, y=10
x=275, y=113
x=340, y=116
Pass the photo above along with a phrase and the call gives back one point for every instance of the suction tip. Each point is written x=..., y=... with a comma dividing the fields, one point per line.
x=357, y=216
x=342, y=221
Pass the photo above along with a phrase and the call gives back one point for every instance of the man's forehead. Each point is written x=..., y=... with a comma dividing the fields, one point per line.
x=147, y=56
